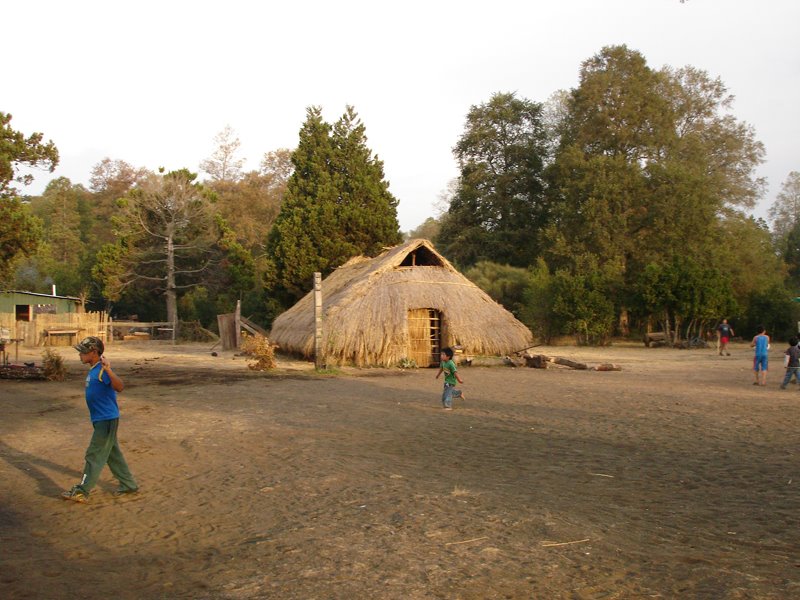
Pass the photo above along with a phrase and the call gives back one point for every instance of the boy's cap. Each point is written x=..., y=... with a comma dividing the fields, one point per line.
x=90, y=343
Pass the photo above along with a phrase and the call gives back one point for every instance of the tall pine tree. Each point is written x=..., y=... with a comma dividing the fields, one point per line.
x=337, y=204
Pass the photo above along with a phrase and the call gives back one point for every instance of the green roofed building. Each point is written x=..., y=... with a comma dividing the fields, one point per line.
x=26, y=305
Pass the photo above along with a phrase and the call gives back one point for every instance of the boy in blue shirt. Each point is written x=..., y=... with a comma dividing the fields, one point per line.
x=760, y=359
x=102, y=385
x=448, y=367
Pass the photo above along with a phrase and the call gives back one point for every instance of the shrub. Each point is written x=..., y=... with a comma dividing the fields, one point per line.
x=54, y=368
x=262, y=350
x=192, y=331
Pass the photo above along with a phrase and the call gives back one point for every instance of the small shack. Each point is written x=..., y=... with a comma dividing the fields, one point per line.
x=34, y=319
x=407, y=303
x=26, y=305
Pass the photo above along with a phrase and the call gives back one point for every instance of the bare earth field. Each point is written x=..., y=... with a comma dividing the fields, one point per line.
x=674, y=478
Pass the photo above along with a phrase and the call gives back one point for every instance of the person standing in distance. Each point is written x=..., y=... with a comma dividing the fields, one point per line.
x=725, y=333
x=760, y=360
x=102, y=386
x=792, y=354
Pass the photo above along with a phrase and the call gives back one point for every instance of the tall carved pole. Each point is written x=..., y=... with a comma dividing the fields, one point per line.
x=319, y=359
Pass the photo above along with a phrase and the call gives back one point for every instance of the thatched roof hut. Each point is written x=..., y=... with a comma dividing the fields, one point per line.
x=406, y=303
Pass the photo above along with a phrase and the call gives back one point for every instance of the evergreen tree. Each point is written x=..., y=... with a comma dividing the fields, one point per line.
x=368, y=211
x=337, y=204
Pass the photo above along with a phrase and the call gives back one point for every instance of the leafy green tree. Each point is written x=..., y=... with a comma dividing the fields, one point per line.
x=655, y=151
x=791, y=256
x=684, y=292
x=773, y=308
x=617, y=123
x=505, y=284
x=19, y=233
x=648, y=165
x=582, y=304
x=723, y=151
x=65, y=211
x=743, y=247
x=237, y=271
x=427, y=230
x=498, y=209
x=337, y=204
x=538, y=302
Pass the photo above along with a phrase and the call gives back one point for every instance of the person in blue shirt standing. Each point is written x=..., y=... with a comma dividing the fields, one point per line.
x=102, y=385
x=760, y=360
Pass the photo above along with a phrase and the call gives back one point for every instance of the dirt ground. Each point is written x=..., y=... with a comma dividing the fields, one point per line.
x=673, y=478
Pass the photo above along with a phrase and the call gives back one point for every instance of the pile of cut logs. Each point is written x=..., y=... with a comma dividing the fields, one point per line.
x=543, y=361
x=21, y=372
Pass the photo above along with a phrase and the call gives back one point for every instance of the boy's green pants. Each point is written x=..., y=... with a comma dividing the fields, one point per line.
x=104, y=449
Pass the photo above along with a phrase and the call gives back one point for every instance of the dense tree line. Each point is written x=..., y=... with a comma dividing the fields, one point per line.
x=609, y=208
x=639, y=195
x=167, y=246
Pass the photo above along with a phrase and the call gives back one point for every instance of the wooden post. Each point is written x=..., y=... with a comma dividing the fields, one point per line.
x=238, y=323
x=319, y=360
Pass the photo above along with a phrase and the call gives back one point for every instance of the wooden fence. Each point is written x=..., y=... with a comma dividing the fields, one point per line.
x=55, y=330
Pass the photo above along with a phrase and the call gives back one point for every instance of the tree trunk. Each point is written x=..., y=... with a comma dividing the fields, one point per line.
x=676, y=338
x=542, y=361
x=170, y=292
x=624, y=324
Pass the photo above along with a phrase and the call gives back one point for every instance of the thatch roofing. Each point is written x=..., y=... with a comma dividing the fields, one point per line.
x=366, y=303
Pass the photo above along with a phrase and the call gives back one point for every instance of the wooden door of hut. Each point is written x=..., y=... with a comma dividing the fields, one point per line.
x=424, y=336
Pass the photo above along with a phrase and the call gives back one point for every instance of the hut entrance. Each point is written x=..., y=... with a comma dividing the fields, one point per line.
x=424, y=336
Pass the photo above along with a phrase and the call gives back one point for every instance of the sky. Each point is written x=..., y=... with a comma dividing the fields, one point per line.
x=153, y=82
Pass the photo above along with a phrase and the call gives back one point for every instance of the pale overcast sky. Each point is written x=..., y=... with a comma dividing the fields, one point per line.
x=152, y=82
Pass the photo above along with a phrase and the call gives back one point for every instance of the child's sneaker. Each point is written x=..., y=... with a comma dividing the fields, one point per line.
x=119, y=493
x=75, y=494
